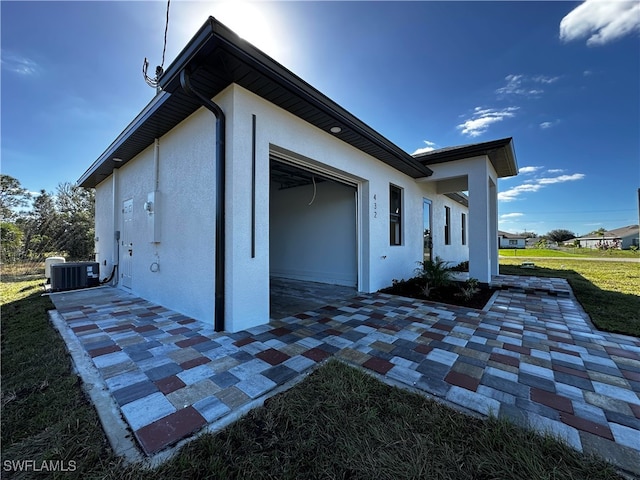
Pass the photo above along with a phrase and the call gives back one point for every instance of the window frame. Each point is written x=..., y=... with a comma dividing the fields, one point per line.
x=463, y=228
x=395, y=218
x=447, y=225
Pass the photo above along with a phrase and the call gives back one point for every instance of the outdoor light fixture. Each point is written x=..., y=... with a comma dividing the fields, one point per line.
x=116, y=159
x=335, y=129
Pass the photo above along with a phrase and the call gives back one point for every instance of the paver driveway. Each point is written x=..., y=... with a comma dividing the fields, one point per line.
x=531, y=356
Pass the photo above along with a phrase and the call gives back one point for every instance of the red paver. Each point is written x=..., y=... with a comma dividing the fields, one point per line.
x=280, y=331
x=511, y=329
x=104, y=350
x=635, y=409
x=433, y=335
x=442, y=326
x=119, y=328
x=273, y=356
x=379, y=365
x=619, y=352
x=462, y=380
x=244, y=341
x=144, y=328
x=168, y=430
x=169, y=384
x=633, y=376
x=505, y=359
x=194, y=362
x=302, y=316
x=333, y=331
x=562, y=350
x=316, y=354
x=570, y=371
x=84, y=328
x=178, y=331
x=423, y=349
x=552, y=400
x=192, y=341
x=517, y=348
x=553, y=338
x=186, y=321
x=586, y=425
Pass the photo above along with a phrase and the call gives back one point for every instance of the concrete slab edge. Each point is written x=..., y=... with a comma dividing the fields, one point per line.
x=115, y=428
x=627, y=474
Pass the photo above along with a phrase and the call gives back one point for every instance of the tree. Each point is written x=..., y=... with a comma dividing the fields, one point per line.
x=76, y=207
x=42, y=227
x=560, y=235
x=12, y=196
x=601, y=231
x=11, y=236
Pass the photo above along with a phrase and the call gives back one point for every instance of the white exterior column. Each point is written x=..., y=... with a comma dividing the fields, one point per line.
x=493, y=229
x=482, y=222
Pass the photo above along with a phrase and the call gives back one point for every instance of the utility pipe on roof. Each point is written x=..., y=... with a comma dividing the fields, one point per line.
x=220, y=197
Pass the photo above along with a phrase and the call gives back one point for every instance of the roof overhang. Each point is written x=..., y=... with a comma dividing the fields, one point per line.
x=501, y=154
x=215, y=58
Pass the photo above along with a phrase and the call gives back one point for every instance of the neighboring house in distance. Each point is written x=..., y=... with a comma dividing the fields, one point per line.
x=197, y=208
x=620, y=238
x=510, y=240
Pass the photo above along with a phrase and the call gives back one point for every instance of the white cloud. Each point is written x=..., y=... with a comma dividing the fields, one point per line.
x=555, y=170
x=429, y=147
x=587, y=73
x=560, y=179
x=601, y=21
x=545, y=125
x=535, y=185
x=524, y=85
x=482, y=118
x=511, y=215
x=19, y=64
x=528, y=169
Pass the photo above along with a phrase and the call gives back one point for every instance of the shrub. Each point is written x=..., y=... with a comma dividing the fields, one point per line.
x=436, y=272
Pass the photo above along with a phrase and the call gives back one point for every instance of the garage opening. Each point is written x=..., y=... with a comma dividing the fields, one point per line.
x=312, y=236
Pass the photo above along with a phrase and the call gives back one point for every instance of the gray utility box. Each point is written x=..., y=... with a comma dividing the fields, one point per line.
x=74, y=275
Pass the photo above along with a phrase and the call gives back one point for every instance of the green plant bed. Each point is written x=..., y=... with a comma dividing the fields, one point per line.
x=450, y=294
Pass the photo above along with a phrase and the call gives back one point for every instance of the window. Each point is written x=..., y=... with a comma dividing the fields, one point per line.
x=513, y=243
x=395, y=215
x=464, y=228
x=447, y=226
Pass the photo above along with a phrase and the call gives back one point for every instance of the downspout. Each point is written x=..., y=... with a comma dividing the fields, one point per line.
x=220, y=198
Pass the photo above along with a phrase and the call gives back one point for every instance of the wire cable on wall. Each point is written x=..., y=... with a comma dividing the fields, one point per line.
x=153, y=82
x=315, y=189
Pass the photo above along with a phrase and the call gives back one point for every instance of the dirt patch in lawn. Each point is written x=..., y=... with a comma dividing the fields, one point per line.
x=451, y=294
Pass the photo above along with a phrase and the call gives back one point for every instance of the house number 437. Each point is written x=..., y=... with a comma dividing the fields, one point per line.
x=375, y=206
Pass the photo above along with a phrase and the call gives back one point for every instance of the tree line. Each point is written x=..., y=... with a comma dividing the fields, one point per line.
x=46, y=224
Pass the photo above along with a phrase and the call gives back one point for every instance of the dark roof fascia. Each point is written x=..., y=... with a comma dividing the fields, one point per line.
x=501, y=153
x=108, y=155
x=214, y=34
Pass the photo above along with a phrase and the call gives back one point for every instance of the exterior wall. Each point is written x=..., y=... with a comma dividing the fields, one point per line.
x=506, y=242
x=455, y=252
x=247, y=299
x=184, y=210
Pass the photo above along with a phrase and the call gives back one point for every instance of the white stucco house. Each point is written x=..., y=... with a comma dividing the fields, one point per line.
x=238, y=171
x=619, y=238
x=511, y=240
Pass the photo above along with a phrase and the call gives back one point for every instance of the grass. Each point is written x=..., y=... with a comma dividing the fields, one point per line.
x=338, y=423
x=608, y=291
x=568, y=252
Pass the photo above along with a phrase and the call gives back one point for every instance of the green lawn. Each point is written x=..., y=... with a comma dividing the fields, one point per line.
x=608, y=291
x=568, y=252
x=338, y=423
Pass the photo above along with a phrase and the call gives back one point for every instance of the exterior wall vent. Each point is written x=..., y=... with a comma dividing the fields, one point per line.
x=72, y=276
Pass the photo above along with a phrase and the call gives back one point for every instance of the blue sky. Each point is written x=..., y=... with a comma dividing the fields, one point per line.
x=561, y=78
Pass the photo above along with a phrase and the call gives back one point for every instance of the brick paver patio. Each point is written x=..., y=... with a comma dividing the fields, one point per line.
x=531, y=356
